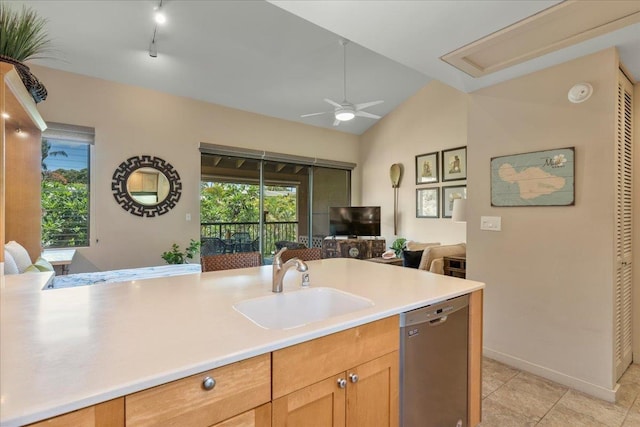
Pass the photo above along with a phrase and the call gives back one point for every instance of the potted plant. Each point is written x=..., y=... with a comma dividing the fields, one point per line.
x=176, y=256
x=22, y=37
x=398, y=246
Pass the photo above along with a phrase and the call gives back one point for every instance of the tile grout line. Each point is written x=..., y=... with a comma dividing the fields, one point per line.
x=626, y=415
x=554, y=405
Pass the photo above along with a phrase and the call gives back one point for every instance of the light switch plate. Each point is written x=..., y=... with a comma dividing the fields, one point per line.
x=491, y=223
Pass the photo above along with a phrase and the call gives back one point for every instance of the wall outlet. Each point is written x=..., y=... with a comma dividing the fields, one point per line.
x=491, y=223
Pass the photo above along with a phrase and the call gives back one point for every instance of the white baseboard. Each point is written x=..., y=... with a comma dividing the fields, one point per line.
x=555, y=376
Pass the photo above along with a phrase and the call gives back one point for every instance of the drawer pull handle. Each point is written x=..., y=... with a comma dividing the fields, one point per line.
x=354, y=378
x=342, y=383
x=208, y=383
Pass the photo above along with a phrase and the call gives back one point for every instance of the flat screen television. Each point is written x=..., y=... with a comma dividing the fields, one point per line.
x=354, y=221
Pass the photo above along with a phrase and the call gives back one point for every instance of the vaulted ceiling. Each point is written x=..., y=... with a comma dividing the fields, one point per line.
x=282, y=58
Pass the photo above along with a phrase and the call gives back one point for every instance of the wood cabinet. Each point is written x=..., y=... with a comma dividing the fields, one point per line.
x=366, y=395
x=20, y=157
x=239, y=387
x=143, y=182
x=455, y=266
x=107, y=414
x=349, y=378
x=373, y=399
x=317, y=405
x=353, y=248
x=258, y=417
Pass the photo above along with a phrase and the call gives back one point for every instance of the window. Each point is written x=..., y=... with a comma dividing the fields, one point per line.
x=66, y=152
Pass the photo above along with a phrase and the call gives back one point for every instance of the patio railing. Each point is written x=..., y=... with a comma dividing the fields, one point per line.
x=274, y=232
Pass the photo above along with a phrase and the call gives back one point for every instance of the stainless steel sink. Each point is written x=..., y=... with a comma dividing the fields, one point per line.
x=293, y=309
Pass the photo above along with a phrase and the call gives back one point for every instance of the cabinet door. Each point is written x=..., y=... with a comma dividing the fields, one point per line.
x=258, y=417
x=107, y=414
x=372, y=393
x=319, y=405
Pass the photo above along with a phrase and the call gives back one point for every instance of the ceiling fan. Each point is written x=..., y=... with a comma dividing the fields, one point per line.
x=345, y=110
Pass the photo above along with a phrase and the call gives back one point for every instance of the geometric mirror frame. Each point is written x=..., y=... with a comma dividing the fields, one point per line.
x=136, y=205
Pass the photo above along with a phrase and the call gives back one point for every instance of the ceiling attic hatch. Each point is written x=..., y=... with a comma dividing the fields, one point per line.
x=560, y=26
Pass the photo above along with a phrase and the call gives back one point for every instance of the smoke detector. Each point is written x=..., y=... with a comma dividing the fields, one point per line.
x=580, y=92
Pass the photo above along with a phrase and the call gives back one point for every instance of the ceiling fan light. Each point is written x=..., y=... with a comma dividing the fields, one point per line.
x=159, y=15
x=345, y=115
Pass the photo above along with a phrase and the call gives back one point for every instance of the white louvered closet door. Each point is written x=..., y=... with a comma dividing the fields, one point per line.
x=623, y=226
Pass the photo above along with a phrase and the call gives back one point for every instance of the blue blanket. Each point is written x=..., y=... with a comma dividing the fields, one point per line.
x=114, y=276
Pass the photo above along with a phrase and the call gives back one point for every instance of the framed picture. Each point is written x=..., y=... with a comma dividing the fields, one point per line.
x=540, y=178
x=427, y=171
x=454, y=164
x=428, y=202
x=449, y=194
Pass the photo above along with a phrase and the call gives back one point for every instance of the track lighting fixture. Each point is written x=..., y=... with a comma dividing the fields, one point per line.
x=160, y=18
x=153, y=48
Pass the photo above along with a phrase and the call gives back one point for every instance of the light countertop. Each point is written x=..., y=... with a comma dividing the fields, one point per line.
x=65, y=349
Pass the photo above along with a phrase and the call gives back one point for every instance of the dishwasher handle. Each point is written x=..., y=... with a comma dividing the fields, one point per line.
x=437, y=322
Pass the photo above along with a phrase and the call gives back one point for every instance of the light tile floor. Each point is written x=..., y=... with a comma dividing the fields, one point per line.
x=511, y=398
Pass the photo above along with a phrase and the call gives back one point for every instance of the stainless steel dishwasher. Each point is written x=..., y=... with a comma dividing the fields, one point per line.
x=433, y=365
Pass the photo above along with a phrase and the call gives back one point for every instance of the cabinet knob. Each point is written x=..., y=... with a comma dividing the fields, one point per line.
x=342, y=383
x=354, y=378
x=208, y=383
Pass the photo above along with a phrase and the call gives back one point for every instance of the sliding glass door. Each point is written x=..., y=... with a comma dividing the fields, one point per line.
x=252, y=203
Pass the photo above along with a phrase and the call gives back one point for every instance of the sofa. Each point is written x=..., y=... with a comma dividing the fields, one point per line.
x=430, y=256
x=18, y=261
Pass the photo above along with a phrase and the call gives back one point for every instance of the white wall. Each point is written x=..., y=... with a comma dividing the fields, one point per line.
x=433, y=119
x=549, y=273
x=132, y=121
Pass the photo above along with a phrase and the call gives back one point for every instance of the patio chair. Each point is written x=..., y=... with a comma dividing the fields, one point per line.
x=307, y=254
x=242, y=241
x=214, y=246
x=231, y=261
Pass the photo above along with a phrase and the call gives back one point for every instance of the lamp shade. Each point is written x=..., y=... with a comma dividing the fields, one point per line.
x=459, y=212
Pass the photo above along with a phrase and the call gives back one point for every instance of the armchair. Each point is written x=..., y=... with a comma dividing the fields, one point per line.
x=432, y=257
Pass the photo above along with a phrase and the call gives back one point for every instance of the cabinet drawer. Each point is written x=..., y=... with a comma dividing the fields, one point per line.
x=312, y=361
x=238, y=387
x=106, y=414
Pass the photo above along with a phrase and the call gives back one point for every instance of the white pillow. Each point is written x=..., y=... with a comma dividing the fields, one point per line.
x=10, y=266
x=19, y=254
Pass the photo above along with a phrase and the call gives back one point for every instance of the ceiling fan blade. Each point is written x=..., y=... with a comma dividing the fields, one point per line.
x=364, y=105
x=334, y=103
x=315, y=114
x=336, y=122
x=365, y=114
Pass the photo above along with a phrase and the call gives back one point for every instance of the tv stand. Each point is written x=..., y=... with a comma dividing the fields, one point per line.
x=353, y=248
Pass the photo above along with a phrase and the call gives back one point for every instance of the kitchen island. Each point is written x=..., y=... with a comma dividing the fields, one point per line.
x=66, y=349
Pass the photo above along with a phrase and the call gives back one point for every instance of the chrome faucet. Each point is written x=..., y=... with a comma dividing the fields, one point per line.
x=280, y=269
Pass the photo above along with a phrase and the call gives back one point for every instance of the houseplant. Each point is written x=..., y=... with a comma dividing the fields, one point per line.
x=176, y=256
x=22, y=37
x=398, y=246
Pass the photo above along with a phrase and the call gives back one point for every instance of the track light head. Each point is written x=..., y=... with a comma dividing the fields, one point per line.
x=153, y=49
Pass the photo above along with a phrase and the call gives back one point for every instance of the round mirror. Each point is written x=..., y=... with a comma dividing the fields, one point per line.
x=146, y=186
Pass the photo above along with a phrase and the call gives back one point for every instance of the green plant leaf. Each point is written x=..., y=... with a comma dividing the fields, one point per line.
x=22, y=34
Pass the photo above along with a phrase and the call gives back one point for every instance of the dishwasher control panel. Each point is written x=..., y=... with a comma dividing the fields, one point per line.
x=433, y=312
